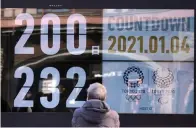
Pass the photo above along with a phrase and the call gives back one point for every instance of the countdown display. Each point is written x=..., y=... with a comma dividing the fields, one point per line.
x=144, y=58
x=161, y=36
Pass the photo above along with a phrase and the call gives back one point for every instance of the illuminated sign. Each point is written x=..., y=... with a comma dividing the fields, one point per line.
x=145, y=58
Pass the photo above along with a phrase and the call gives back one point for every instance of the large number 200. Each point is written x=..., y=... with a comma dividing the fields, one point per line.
x=20, y=102
x=20, y=49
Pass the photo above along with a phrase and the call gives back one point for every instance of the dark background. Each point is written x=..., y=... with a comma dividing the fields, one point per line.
x=64, y=119
x=91, y=4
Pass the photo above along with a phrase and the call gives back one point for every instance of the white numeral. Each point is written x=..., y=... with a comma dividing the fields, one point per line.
x=19, y=100
x=19, y=48
x=70, y=34
x=81, y=82
x=55, y=91
x=44, y=34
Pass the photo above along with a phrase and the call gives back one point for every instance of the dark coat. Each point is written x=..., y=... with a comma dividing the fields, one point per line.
x=95, y=113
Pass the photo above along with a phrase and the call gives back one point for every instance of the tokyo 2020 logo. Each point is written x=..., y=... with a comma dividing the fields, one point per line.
x=134, y=91
x=139, y=73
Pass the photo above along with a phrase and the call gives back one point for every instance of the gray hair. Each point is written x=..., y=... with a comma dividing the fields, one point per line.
x=96, y=91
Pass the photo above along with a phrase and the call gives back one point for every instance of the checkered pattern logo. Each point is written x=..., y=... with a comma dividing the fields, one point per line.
x=131, y=70
x=160, y=81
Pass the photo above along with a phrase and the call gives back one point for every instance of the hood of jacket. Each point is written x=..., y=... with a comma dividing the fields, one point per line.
x=94, y=111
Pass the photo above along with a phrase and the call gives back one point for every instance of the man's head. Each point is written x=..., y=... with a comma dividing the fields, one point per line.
x=96, y=91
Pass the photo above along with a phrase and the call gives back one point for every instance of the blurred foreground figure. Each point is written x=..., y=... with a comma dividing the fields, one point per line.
x=95, y=112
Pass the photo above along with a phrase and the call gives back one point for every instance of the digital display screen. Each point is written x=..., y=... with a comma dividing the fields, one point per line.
x=144, y=58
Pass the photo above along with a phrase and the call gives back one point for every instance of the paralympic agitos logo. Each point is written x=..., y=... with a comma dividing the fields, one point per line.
x=163, y=78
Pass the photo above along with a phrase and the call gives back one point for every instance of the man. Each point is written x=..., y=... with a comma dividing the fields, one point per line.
x=95, y=112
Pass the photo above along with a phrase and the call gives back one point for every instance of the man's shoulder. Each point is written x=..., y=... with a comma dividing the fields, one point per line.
x=113, y=114
x=77, y=112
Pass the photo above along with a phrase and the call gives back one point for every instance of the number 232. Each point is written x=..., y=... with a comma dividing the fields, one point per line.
x=20, y=102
